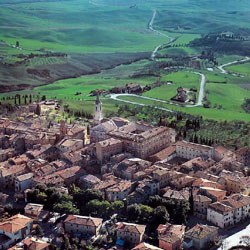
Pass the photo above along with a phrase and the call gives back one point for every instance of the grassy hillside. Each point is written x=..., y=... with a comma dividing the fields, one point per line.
x=110, y=42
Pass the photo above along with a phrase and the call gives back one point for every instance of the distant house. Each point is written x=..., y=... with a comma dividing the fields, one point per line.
x=133, y=88
x=35, y=212
x=88, y=181
x=199, y=236
x=164, y=155
x=200, y=206
x=236, y=182
x=229, y=211
x=146, y=246
x=105, y=149
x=243, y=155
x=189, y=150
x=170, y=236
x=23, y=182
x=76, y=224
x=130, y=233
x=118, y=191
x=70, y=145
x=14, y=229
x=31, y=243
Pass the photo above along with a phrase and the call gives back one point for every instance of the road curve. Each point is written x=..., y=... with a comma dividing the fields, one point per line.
x=199, y=102
x=223, y=71
x=115, y=97
x=150, y=27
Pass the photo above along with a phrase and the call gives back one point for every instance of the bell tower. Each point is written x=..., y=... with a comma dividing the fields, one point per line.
x=98, y=110
x=63, y=128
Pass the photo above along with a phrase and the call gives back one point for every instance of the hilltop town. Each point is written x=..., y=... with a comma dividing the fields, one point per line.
x=116, y=184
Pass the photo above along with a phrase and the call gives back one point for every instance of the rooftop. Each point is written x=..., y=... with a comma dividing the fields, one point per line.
x=146, y=246
x=131, y=228
x=24, y=177
x=15, y=223
x=83, y=220
x=201, y=231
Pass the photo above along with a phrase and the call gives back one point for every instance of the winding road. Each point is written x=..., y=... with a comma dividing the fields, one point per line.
x=223, y=71
x=150, y=27
x=199, y=102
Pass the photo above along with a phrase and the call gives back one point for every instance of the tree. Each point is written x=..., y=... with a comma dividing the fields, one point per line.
x=38, y=110
x=43, y=98
x=97, y=207
x=117, y=207
x=82, y=197
x=65, y=208
x=25, y=99
x=30, y=101
x=19, y=99
x=146, y=212
x=133, y=212
x=66, y=243
x=39, y=231
x=42, y=198
x=191, y=201
x=159, y=215
x=155, y=201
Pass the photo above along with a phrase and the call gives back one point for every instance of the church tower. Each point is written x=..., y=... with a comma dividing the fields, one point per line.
x=98, y=110
x=63, y=128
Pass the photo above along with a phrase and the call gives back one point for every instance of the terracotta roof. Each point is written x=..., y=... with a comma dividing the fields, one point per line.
x=206, y=183
x=83, y=220
x=214, y=191
x=24, y=177
x=243, y=151
x=12, y=170
x=131, y=228
x=177, y=195
x=120, y=187
x=201, y=231
x=69, y=142
x=220, y=207
x=242, y=198
x=163, y=154
x=15, y=223
x=33, y=208
x=146, y=246
x=109, y=142
x=170, y=233
x=221, y=150
x=201, y=198
x=32, y=244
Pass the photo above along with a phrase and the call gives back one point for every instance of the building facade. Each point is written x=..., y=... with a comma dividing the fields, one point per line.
x=189, y=150
x=76, y=224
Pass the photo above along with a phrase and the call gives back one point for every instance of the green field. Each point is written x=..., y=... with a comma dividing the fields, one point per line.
x=243, y=69
x=179, y=79
x=215, y=114
x=108, y=43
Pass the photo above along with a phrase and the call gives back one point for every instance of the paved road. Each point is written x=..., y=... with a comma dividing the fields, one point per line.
x=201, y=92
x=199, y=102
x=116, y=97
x=223, y=71
x=234, y=239
x=150, y=27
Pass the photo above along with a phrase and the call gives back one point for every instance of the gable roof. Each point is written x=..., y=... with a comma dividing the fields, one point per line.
x=83, y=220
x=15, y=223
x=131, y=228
